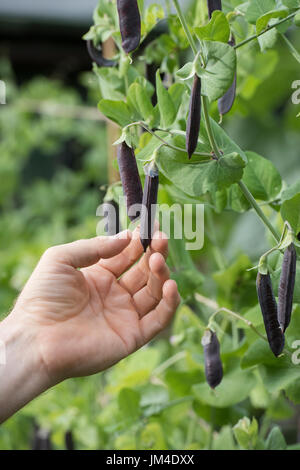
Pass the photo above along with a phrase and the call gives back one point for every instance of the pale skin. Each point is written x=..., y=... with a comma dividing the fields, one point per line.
x=71, y=322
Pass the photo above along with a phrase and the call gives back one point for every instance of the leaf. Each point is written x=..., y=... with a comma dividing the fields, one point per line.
x=276, y=440
x=228, y=279
x=110, y=83
x=258, y=8
x=186, y=72
x=140, y=100
x=176, y=92
x=153, y=399
x=224, y=440
x=279, y=377
x=196, y=179
x=292, y=49
x=220, y=69
x=291, y=191
x=128, y=401
x=165, y=103
x=262, y=177
x=117, y=111
x=228, y=393
x=268, y=40
x=290, y=211
x=246, y=432
x=259, y=353
x=293, y=391
x=292, y=4
x=263, y=21
x=216, y=30
x=152, y=437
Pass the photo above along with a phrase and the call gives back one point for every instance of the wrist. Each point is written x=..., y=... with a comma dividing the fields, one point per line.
x=22, y=372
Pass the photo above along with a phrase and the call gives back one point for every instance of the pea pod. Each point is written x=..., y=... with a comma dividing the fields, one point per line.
x=97, y=57
x=130, y=24
x=194, y=117
x=69, y=441
x=130, y=178
x=149, y=204
x=270, y=314
x=212, y=358
x=112, y=215
x=286, y=287
x=213, y=5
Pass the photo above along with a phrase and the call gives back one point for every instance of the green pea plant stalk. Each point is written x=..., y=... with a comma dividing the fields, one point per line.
x=175, y=76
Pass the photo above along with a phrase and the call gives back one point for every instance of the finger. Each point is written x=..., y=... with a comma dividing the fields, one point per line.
x=149, y=296
x=127, y=258
x=159, y=318
x=83, y=253
x=137, y=277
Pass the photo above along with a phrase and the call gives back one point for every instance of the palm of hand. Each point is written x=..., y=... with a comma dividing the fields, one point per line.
x=90, y=319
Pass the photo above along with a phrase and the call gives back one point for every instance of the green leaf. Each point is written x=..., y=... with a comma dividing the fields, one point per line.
x=268, y=40
x=292, y=49
x=196, y=179
x=154, y=399
x=186, y=72
x=292, y=4
x=276, y=440
x=216, y=30
x=279, y=377
x=291, y=191
x=297, y=19
x=152, y=15
x=290, y=212
x=220, y=68
x=176, y=92
x=258, y=8
x=140, y=100
x=263, y=21
x=246, y=432
x=262, y=177
x=165, y=103
x=128, y=401
x=293, y=391
x=229, y=278
x=259, y=353
x=227, y=394
x=224, y=440
x=152, y=437
x=117, y=111
x=110, y=83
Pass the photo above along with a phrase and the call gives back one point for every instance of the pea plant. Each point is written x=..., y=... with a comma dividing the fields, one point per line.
x=173, y=82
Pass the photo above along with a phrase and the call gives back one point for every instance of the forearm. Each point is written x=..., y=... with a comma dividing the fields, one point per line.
x=22, y=374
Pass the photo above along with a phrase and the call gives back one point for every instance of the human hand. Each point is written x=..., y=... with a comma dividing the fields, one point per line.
x=84, y=321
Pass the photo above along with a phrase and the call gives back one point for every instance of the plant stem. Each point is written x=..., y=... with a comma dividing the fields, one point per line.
x=210, y=133
x=169, y=362
x=219, y=257
x=255, y=36
x=258, y=210
x=167, y=144
x=185, y=27
x=212, y=304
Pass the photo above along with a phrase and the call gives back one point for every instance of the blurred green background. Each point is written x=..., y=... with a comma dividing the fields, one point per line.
x=53, y=176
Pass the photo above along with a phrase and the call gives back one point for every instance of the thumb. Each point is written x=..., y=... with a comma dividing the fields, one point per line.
x=84, y=253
